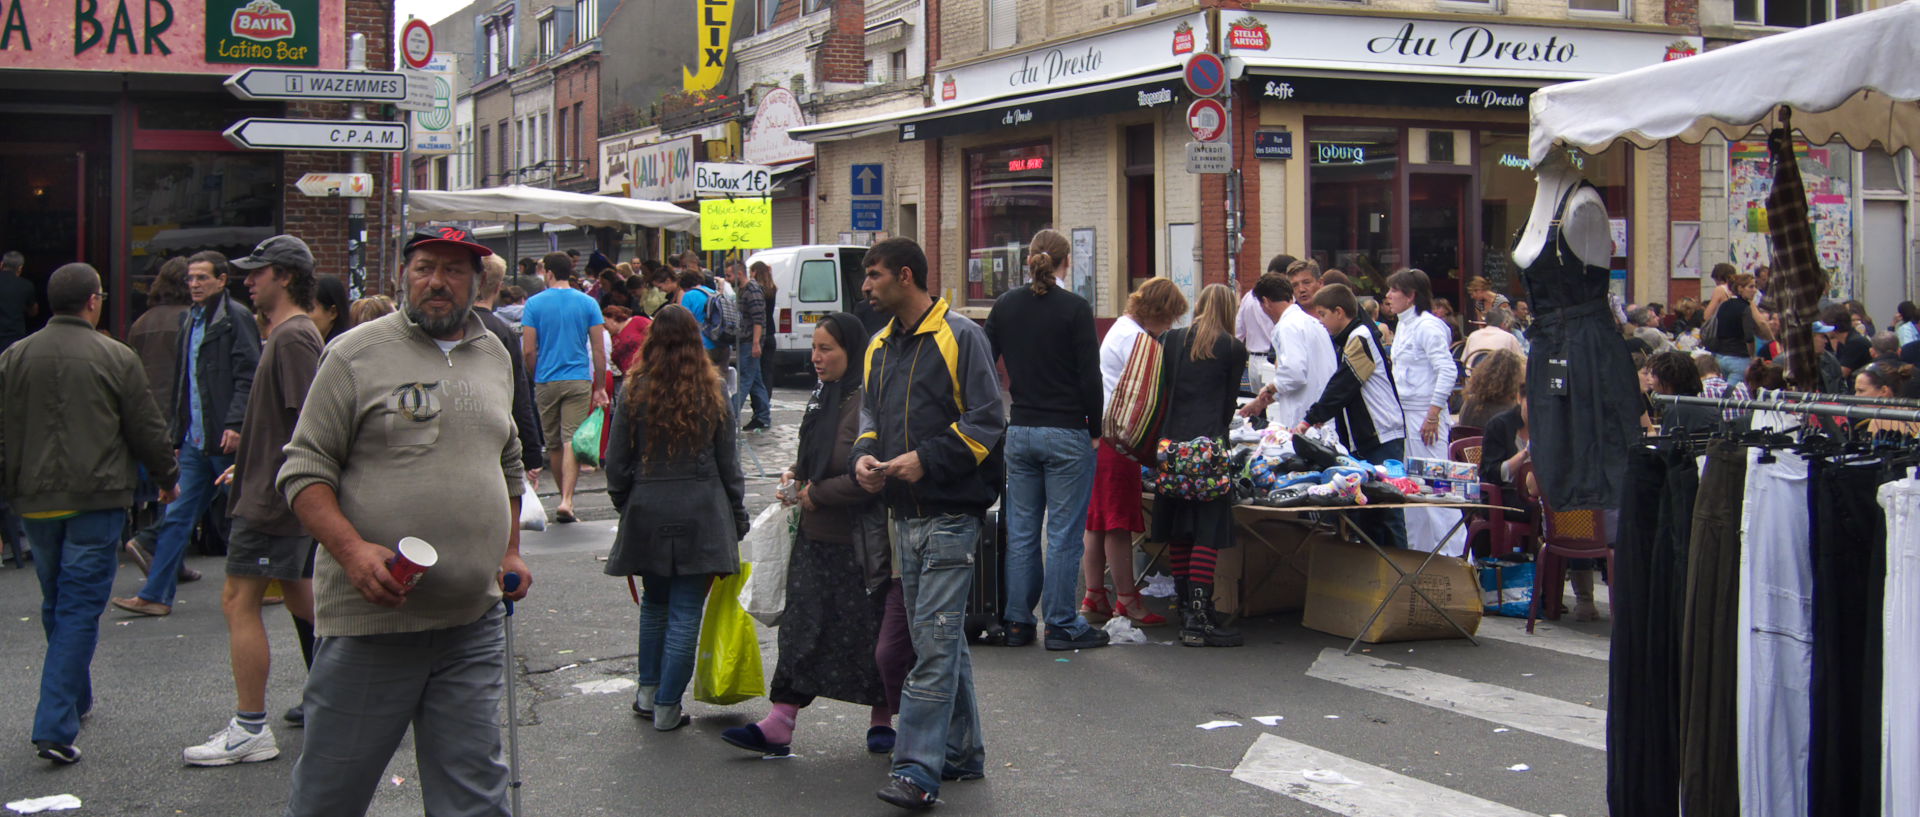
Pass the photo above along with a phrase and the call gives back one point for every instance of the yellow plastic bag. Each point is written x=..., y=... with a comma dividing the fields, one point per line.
x=727, y=669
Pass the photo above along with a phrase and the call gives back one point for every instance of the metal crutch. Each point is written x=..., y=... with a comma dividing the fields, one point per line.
x=510, y=583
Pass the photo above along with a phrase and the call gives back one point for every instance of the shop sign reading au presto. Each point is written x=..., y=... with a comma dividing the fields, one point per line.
x=1162, y=44
x=1336, y=42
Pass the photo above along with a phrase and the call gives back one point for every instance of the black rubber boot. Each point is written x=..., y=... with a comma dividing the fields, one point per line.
x=1197, y=627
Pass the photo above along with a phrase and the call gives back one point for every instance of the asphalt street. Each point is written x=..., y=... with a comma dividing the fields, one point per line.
x=1510, y=728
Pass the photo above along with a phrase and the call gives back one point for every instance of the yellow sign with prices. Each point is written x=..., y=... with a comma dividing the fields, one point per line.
x=736, y=224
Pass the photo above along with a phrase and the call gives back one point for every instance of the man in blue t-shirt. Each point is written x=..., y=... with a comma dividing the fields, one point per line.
x=694, y=295
x=563, y=338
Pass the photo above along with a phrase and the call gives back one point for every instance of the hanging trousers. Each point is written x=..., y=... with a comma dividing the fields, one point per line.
x=1849, y=574
x=1776, y=637
x=1649, y=560
x=1709, y=639
x=1899, y=786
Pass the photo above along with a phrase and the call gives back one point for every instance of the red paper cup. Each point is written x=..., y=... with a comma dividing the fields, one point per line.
x=410, y=561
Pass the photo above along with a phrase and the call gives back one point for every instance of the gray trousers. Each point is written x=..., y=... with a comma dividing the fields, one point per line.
x=363, y=692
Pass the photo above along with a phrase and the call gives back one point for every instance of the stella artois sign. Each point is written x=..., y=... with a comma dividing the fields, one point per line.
x=1183, y=38
x=1248, y=33
x=263, y=32
x=1679, y=49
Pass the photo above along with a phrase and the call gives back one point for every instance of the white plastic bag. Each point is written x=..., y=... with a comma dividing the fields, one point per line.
x=768, y=545
x=533, y=516
x=1120, y=630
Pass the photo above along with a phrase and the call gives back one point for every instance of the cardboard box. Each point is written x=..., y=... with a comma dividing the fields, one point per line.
x=1265, y=572
x=1347, y=581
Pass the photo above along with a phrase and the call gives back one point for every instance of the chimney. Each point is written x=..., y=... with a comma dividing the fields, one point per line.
x=842, y=58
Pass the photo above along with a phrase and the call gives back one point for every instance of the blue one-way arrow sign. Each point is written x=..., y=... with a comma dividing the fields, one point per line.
x=868, y=179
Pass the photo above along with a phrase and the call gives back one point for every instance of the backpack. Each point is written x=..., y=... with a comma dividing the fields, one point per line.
x=721, y=324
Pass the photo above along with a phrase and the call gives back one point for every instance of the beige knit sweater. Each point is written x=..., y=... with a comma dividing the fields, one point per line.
x=416, y=442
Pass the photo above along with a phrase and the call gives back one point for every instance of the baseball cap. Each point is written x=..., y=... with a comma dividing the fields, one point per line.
x=1823, y=327
x=447, y=236
x=285, y=250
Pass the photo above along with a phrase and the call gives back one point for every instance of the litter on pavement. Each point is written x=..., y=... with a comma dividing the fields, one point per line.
x=1269, y=720
x=1212, y=725
x=35, y=805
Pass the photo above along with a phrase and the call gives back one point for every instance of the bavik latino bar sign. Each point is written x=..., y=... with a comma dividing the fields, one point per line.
x=171, y=36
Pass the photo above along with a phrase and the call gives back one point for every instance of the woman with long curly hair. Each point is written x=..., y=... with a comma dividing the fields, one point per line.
x=674, y=473
x=1493, y=388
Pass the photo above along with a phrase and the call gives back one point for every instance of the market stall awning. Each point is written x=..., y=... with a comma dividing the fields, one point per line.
x=1856, y=79
x=537, y=204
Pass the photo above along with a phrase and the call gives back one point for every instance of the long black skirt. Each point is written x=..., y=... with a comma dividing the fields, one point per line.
x=828, y=631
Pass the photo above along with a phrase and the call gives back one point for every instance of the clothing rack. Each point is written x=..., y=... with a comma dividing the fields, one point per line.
x=1851, y=412
x=1811, y=397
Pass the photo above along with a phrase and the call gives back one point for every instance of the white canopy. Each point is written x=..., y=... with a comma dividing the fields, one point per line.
x=541, y=204
x=1855, y=79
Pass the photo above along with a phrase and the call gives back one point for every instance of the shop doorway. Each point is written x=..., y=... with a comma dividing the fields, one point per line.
x=1437, y=229
x=54, y=179
x=1140, y=216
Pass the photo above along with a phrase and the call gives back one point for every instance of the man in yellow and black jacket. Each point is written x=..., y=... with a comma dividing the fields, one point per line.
x=930, y=419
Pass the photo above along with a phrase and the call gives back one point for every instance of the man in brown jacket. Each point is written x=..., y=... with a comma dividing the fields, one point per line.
x=75, y=415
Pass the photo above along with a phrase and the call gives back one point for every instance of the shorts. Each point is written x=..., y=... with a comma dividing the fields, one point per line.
x=1116, y=494
x=252, y=553
x=563, y=407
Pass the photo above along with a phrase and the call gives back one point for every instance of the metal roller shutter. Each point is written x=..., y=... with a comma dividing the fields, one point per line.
x=789, y=222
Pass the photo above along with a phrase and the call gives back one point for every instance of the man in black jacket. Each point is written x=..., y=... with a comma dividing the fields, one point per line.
x=930, y=418
x=219, y=350
x=75, y=415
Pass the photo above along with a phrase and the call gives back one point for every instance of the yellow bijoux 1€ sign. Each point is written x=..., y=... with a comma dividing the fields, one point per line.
x=714, y=27
x=736, y=224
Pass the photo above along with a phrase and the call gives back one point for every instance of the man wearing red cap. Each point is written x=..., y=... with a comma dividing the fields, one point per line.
x=408, y=432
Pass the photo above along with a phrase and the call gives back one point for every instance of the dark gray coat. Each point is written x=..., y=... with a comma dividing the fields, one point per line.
x=680, y=517
x=229, y=352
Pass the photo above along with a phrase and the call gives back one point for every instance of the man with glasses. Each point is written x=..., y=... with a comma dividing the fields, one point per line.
x=219, y=350
x=75, y=416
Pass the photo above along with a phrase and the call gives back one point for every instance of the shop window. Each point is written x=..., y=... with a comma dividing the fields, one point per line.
x=1792, y=13
x=1009, y=198
x=816, y=282
x=1881, y=171
x=1353, y=172
x=182, y=202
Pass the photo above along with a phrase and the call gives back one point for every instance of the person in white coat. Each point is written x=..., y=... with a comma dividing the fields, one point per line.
x=1303, y=356
x=1424, y=371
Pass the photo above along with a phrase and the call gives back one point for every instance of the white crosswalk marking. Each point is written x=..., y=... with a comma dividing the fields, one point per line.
x=1546, y=635
x=1346, y=786
x=1525, y=711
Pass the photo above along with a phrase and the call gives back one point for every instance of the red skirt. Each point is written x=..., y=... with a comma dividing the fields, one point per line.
x=1116, y=494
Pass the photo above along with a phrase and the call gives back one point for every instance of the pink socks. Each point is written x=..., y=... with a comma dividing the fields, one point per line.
x=777, y=726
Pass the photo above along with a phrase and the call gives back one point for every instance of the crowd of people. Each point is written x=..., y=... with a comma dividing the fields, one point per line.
x=315, y=425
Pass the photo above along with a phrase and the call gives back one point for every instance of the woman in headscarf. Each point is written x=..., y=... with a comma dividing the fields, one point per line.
x=838, y=575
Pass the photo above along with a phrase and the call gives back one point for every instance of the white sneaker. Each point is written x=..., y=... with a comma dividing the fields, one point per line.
x=234, y=744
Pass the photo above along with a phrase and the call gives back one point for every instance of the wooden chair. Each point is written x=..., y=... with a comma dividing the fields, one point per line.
x=1564, y=535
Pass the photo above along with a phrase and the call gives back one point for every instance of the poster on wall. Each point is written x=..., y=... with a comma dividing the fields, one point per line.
x=1083, y=262
x=1827, y=173
x=1684, y=238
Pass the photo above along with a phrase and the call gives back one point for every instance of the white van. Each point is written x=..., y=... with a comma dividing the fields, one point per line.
x=814, y=280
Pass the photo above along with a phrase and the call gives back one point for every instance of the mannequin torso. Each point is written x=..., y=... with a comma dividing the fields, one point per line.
x=1584, y=226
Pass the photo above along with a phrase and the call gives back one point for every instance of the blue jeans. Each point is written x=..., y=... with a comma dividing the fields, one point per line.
x=939, y=722
x=1734, y=369
x=753, y=380
x=670, y=611
x=198, y=470
x=1387, y=529
x=75, y=559
x=1050, y=480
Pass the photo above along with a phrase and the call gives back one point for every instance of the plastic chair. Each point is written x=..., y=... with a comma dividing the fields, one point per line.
x=1564, y=535
x=1458, y=433
x=1504, y=535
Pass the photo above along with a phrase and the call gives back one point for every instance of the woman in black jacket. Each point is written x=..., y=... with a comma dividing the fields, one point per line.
x=1207, y=363
x=673, y=472
x=839, y=569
